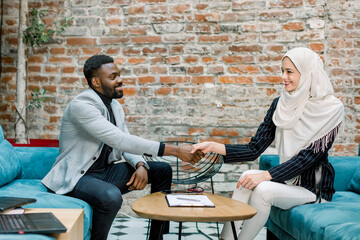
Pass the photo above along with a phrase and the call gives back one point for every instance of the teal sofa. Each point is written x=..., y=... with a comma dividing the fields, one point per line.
x=21, y=171
x=335, y=220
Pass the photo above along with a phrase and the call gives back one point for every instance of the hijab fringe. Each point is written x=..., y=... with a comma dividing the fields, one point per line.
x=322, y=142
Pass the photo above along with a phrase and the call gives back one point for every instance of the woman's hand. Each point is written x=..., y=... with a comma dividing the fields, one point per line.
x=250, y=181
x=206, y=147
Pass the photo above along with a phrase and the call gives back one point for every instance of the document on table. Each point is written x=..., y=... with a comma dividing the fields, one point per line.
x=188, y=200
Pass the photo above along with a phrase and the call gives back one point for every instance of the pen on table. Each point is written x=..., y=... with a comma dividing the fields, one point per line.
x=188, y=199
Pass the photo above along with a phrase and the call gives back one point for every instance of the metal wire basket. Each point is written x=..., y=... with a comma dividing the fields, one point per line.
x=186, y=173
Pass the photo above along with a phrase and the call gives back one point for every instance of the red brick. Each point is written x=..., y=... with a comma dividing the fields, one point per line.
x=214, y=39
x=129, y=81
x=112, y=50
x=114, y=21
x=173, y=60
x=216, y=69
x=208, y=60
x=159, y=70
x=50, y=88
x=146, y=39
x=33, y=69
x=270, y=79
x=57, y=50
x=238, y=59
x=286, y=3
x=51, y=69
x=135, y=9
x=114, y=40
x=224, y=132
x=196, y=70
x=178, y=49
x=80, y=41
x=6, y=79
x=59, y=60
x=317, y=47
x=163, y=91
x=357, y=100
x=246, y=48
x=211, y=17
x=294, y=26
x=11, y=40
x=129, y=91
x=135, y=30
x=270, y=91
x=171, y=79
x=236, y=79
x=38, y=79
x=147, y=79
x=180, y=8
x=150, y=1
x=203, y=79
x=68, y=69
x=244, y=69
x=35, y=59
x=69, y=79
x=195, y=131
x=91, y=51
x=137, y=60
x=50, y=109
x=154, y=50
x=8, y=60
x=191, y=59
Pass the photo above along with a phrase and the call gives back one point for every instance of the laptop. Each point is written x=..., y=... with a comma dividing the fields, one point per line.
x=28, y=222
x=14, y=202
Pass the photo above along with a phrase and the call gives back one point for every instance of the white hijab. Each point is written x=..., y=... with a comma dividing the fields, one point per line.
x=311, y=115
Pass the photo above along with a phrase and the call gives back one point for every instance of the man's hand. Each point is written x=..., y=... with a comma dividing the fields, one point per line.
x=206, y=147
x=183, y=152
x=250, y=181
x=139, y=179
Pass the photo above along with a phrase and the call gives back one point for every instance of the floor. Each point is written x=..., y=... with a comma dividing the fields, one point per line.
x=131, y=228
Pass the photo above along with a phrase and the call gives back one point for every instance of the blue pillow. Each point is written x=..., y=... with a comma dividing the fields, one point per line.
x=10, y=165
x=354, y=184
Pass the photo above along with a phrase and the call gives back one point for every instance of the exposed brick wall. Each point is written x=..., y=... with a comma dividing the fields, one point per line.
x=193, y=70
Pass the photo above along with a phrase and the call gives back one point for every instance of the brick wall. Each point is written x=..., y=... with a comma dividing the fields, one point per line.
x=193, y=69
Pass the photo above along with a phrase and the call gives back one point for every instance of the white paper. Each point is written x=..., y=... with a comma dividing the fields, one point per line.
x=188, y=200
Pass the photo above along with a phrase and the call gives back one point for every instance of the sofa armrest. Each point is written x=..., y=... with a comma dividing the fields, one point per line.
x=36, y=161
x=268, y=161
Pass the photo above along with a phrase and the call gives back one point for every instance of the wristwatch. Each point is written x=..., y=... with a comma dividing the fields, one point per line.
x=146, y=166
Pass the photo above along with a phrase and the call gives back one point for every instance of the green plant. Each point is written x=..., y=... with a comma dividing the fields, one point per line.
x=37, y=97
x=38, y=33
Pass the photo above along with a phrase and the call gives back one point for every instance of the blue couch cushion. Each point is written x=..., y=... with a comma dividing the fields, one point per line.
x=343, y=231
x=10, y=165
x=354, y=184
x=36, y=162
x=344, y=208
x=33, y=188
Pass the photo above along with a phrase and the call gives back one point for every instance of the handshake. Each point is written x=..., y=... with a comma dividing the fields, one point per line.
x=193, y=153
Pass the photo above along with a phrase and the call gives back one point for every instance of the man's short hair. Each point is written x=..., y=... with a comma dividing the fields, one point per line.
x=93, y=63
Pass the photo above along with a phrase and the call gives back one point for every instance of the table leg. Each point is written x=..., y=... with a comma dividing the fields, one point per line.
x=180, y=228
x=234, y=230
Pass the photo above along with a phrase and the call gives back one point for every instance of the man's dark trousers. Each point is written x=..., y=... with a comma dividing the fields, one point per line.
x=103, y=190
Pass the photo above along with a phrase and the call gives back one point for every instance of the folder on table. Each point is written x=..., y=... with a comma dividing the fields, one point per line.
x=188, y=200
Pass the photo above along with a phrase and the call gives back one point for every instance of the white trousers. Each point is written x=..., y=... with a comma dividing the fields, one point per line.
x=265, y=195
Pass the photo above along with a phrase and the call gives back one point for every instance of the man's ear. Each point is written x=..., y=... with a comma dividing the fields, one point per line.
x=95, y=81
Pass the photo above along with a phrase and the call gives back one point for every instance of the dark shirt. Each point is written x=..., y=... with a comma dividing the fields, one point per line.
x=101, y=162
x=303, y=164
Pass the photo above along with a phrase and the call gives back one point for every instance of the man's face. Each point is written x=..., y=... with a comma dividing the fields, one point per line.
x=110, y=81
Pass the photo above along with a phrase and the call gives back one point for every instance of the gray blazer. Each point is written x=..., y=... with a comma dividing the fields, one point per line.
x=84, y=130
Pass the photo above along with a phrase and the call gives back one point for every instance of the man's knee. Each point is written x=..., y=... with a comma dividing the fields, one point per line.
x=111, y=199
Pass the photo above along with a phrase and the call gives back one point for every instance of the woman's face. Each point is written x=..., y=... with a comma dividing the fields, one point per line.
x=290, y=75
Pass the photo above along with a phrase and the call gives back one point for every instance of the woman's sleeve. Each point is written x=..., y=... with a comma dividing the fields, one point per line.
x=263, y=138
x=300, y=163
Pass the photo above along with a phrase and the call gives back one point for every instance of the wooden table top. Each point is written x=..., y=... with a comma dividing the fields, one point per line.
x=154, y=206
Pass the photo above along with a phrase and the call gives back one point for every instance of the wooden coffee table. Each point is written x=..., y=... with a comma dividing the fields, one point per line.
x=154, y=206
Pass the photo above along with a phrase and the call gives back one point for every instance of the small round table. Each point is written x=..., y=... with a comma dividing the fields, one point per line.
x=154, y=206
